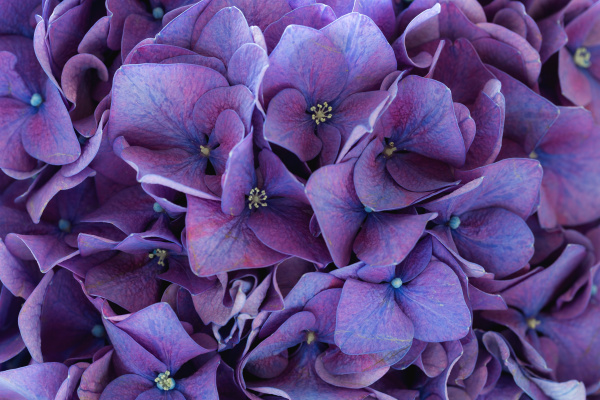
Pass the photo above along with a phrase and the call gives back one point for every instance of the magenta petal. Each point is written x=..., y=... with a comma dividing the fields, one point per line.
x=435, y=299
x=337, y=207
x=369, y=320
x=386, y=239
x=218, y=242
x=289, y=126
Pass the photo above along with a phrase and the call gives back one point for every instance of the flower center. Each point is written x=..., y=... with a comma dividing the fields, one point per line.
x=368, y=209
x=164, y=382
x=36, y=100
x=454, y=222
x=157, y=208
x=582, y=57
x=533, y=323
x=389, y=150
x=396, y=283
x=158, y=13
x=594, y=290
x=321, y=113
x=533, y=155
x=257, y=198
x=64, y=225
x=161, y=254
x=205, y=151
x=310, y=337
x=98, y=331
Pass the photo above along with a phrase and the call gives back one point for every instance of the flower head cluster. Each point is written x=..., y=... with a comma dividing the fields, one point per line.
x=299, y=199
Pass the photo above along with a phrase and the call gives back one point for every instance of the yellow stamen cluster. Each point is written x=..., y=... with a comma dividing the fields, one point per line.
x=533, y=155
x=205, y=151
x=582, y=57
x=533, y=323
x=257, y=198
x=310, y=337
x=321, y=113
x=161, y=254
x=389, y=150
x=164, y=381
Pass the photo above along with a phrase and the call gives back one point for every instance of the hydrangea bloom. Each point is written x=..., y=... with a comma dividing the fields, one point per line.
x=300, y=199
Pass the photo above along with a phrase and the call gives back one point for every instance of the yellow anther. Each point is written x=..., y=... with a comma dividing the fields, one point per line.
x=321, y=113
x=205, y=151
x=310, y=337
x=257, y=198
x=533, y=323
x=389, y=150
x=533, y=155
x=164, y=382
x=582, y=57
x=161, y=254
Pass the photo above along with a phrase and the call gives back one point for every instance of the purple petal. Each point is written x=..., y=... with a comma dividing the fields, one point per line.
x=309, y=61
x=369, y=56
x=160, y=332
x=386, y=239
x=368, y=320
x=226, y=32
x=497, y=239
x=337, y=207
x=126, y=387
x=435, y=299
x=36, y=381
x=218, y=242
x=289, y=126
